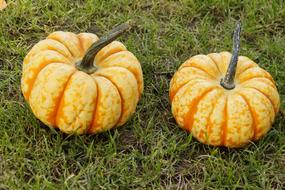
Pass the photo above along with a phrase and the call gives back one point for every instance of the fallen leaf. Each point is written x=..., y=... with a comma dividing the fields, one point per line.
x=3, y=4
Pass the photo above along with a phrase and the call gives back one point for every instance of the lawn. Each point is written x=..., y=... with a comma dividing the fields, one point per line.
x=150, y=151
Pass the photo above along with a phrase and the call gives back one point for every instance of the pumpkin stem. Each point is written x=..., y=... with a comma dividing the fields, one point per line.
x=87, y=64
x=228, y=81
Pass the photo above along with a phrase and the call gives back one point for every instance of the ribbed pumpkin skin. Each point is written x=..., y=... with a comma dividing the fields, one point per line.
x=221, y=117
x=73, y=101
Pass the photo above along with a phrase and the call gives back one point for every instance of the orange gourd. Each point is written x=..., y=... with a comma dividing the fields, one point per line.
x=224, y=99
x=80, y=83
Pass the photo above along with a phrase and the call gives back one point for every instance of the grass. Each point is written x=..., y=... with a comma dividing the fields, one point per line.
x=150, y=151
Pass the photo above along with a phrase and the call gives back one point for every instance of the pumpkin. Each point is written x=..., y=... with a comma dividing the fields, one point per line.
x=79, y=83
x=224, y=99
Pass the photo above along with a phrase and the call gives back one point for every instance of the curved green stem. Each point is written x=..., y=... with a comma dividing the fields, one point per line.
x=228, y=81
x=87, y=64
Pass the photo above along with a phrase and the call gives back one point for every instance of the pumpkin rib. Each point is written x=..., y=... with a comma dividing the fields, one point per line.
x=120, y=47
x=194, y=66
x=262, y=74
x=106, y=116
x=130, y=72
x=44, y=52
x=32, y=82
x=201, y=59
x=126, y=83
x=77, y=118
x=126, y=70
x=209, y=123
x=259, y=79
x=95, y=106
x=196, y=70
x=110, y=54
x=101, y=63
x=63, y=46
x=60, y=98
x=77, y=100
x=121, y=97
x=176, y=79
x=39, y=65
x=55, y=39
x=200, y=70
x=87, y=39
x=252, y=113
x=225, y=60
x=47, y=88
x=240, y=72
x=193, y=106
x=33, y=54
x=80, y=43
x=215, y=64
x=173, y=93
x=265, y=95
x=75, y=130
x=137, y=73
x=273, y=105
x=250, y=78
x=225, y=123
x=219, y=61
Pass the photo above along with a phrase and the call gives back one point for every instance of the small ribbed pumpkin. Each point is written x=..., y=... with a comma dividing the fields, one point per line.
x=224, y=99
x=80, y=83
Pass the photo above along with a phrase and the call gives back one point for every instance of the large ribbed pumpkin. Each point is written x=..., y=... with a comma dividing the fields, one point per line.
x=223, y=99
x=67, y=88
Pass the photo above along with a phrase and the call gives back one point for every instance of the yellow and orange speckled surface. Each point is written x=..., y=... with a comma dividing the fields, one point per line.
x=218, y=116
x=75, y=102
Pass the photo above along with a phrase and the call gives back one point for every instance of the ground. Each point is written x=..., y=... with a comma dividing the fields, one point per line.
x=150, y=151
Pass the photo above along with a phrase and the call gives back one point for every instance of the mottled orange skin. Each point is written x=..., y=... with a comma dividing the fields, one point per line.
x=221, y=117
x=75, y=102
